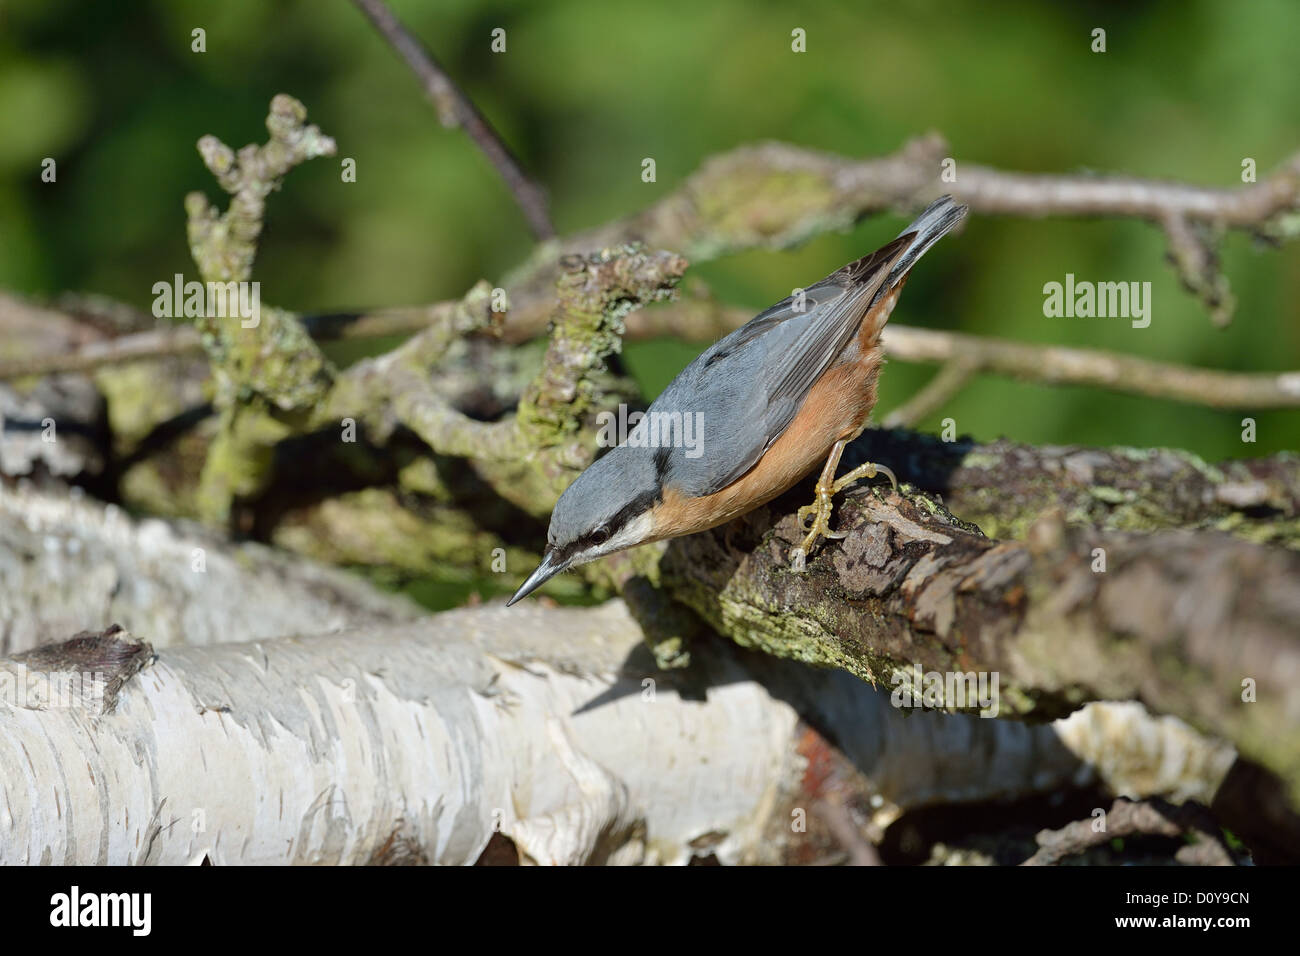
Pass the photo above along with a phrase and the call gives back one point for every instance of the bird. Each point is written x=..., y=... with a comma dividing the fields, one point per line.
x=783, y=393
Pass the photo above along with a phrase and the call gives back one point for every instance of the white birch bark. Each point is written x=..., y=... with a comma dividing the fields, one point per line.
x=69, y=563
x=421, y=740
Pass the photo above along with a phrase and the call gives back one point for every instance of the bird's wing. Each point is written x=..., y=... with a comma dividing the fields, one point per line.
x=751, y=384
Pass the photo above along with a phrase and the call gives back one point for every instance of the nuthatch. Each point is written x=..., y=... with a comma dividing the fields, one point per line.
x=783, y=392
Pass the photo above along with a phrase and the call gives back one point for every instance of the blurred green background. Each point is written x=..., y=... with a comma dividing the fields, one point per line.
x=585, y=91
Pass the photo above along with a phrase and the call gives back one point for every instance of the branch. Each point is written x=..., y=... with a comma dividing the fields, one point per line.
x=947, y=382
x=456, y=109
x=1061, y=365
x=1179, y=620
x=269, y=373
x=530, y=458
x=1145, y=818
x=67, y=560
x=486, y=722
x=1004, y=486
x=700, y=318
x=169, y=340
x=776, y=195
x=158, y=343
x=224, y=245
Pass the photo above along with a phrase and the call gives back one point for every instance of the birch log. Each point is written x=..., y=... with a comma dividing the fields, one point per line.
x=68, y=562
x=548, y=725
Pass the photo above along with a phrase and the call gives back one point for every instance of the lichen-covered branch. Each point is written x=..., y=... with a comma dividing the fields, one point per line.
x=224, y=245
x=595, y=292
x=776, y=195
x=1003, y=486
x=531, y=457
x=1196, y=624
x=269, y=372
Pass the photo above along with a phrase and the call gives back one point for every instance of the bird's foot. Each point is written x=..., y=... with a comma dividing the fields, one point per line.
x=820, y=511
x=867, y=470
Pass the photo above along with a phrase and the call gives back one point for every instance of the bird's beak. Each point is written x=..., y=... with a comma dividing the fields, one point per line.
x=548, y=569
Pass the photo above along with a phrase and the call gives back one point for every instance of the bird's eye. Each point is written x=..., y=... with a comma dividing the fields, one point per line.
x=600, y=535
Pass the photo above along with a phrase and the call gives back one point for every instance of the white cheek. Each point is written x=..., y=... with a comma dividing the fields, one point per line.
x=633, y=533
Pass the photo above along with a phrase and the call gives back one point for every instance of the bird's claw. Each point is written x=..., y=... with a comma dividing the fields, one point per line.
x=868, y=470
x=820, y=512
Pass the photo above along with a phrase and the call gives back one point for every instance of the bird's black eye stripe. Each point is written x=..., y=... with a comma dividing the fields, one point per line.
x=601, y=534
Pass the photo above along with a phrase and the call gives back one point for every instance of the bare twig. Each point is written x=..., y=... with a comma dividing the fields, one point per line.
x=157, y=343
x=776, y=195
x=948, y=381
x=699, y=318
x=1059, y=365
x=166, y=341
x=1153, y=817
x=456, y=109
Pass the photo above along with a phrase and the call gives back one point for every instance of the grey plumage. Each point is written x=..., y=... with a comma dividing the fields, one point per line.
x=746, y=389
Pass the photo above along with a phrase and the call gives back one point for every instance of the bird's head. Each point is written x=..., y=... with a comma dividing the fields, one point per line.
x=610, y=507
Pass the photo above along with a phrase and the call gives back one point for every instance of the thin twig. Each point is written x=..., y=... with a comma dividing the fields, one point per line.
x=1059, y=365
x=776, y=195
x=456, y=109
x=698, y=319
x=170, y=341
x=157, y=343
x=1153, y=817
x=949, y=380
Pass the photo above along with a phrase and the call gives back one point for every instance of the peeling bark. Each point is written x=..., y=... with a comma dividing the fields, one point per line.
x=549, y=726
x=68, y=560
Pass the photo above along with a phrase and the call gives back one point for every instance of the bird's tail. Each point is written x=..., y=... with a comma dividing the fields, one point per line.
x=939, y=217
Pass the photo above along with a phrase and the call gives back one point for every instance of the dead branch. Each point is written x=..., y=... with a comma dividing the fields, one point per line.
x=776, y=195
x=1127, y=818
x=468, y=725
x=1196, y=624
x=68, y=559
x=699, y=318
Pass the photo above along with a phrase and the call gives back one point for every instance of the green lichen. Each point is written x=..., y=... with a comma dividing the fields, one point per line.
x=751, y=205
